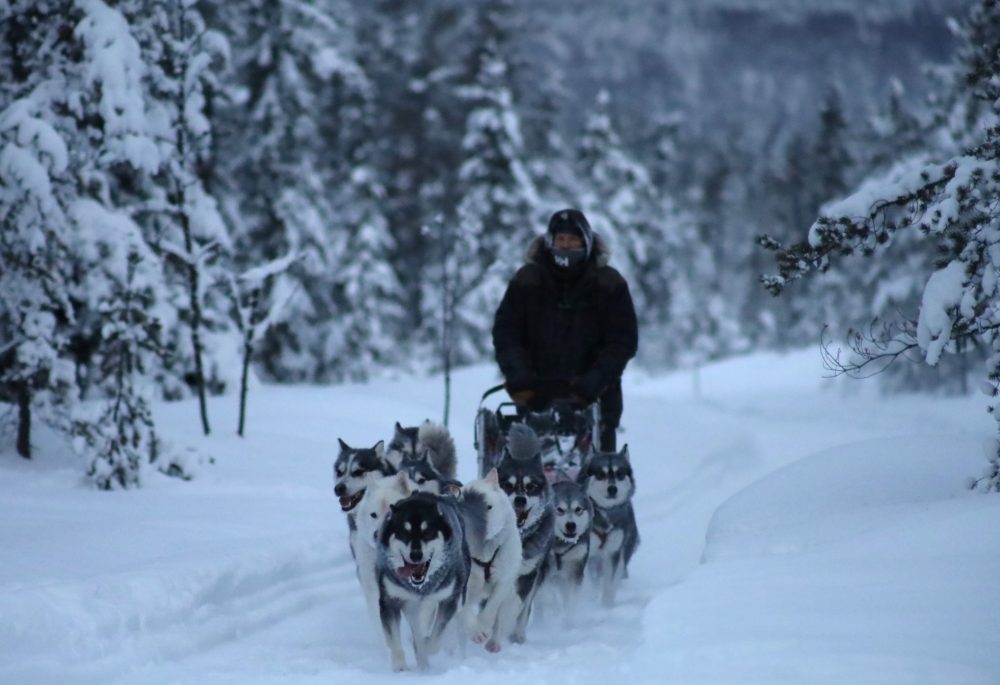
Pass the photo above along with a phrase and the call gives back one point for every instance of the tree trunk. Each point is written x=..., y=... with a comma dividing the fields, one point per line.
x=247, y=353
x=24, y=420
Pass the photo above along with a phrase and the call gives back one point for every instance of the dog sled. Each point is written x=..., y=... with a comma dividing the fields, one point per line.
x=568, y=431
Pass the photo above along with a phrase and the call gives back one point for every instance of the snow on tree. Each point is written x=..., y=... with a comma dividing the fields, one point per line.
x=183, y=222
x=498, y=205
x=950, y=202
x=653, y=243
x=36, y=183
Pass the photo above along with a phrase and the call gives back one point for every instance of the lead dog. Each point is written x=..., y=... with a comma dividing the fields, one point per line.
x=352, y=471
x=607, y=479
x=421, y=571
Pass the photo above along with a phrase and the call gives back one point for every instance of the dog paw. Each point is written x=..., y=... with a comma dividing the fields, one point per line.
x=493, y=646
x=519, y=637
x=478, y=636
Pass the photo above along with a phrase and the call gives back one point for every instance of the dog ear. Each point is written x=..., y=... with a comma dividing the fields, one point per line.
x=343, y=445
x=399, y=429
x=624, y=453
x=493, y=477
x=380, y=449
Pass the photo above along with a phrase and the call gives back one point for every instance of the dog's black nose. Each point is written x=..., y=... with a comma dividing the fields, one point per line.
x=340, y=490
x=571, y=526
x=612, y=490
x=416, y=554
x=520, y=502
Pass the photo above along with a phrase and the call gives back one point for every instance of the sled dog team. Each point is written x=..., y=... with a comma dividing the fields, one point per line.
x=432, y=549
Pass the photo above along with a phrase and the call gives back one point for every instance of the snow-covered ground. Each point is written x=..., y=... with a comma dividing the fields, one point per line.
x=793, y=531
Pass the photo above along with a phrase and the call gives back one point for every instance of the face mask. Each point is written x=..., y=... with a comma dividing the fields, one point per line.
x=568, y=258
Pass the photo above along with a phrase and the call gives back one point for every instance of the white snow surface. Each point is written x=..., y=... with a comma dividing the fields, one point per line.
x=793, y=531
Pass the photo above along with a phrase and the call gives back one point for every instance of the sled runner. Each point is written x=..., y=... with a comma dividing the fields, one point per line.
x=569, y=433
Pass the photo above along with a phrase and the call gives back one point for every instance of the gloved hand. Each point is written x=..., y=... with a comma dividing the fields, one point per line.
x=521, y=388
x=587, y=386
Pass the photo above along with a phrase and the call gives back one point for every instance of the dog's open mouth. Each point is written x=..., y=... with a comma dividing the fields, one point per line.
x=415, y=573
x=348, y=502
x=568, y=535
x=522, y=516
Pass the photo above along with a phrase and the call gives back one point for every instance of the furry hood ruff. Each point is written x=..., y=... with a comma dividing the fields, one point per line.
x=537, y=251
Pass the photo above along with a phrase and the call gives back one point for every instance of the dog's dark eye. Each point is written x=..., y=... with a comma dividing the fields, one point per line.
x=339, y=472
x=600, y=475
x=560, y=511
x=578, y=511
x=507, y=487
x=374, y=515
x=490, y=507
x=622, y=474
x=532, y=488
x=421, y=481
x=357, y=473
x=395, y=445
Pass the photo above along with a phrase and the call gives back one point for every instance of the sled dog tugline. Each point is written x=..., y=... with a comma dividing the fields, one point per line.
x=566, y=326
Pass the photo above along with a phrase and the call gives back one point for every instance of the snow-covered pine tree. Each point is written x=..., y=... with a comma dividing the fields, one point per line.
x=655, y=245
x=950, y=201
x=38, y=75
x=281, y=133
x=118, y=436
x=498, y=205
x=185, y=228
x=34, y=251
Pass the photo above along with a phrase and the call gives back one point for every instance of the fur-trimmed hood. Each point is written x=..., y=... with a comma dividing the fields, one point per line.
x=537, y=251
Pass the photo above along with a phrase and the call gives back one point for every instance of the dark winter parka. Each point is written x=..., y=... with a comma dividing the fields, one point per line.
x=567, y=328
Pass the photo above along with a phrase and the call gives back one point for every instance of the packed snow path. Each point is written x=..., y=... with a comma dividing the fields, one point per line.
x=867, y=562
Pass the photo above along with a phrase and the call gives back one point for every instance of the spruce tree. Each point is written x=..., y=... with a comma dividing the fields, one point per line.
x=951, y=202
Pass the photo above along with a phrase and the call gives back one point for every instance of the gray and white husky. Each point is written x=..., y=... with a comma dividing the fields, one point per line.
x=607, y=479
x=351, y=471
x=495, y=548
x=380, y=494
x=428, y=441
x=421, y=571
x=522, y=478
x=574, y=516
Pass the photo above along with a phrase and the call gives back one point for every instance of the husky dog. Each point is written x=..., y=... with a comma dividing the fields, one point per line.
x=423, y=474
x=350, y=475
x=574, y=516
x=495, y=547
x=429, y=441
x=422, y=570
x=607, y=480
x=380, y=494
x=522, y=477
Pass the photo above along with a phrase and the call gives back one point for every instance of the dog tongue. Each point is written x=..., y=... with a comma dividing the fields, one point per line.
x=345, y=502
x=412, y=570
x=522, y=516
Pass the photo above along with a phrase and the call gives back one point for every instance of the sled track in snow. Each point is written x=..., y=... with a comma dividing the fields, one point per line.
x=111, y=623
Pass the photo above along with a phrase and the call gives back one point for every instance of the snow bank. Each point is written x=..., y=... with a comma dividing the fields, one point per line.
x=866, y=563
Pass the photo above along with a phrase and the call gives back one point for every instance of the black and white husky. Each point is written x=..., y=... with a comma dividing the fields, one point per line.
x=495, y=548
x=574, y=516
x=428, y=441
x=607, y=479
x=522, y=478
x=351, y=473
x=421, y=571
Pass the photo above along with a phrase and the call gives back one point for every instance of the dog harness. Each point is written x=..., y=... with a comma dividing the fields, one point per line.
x=487, y=566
